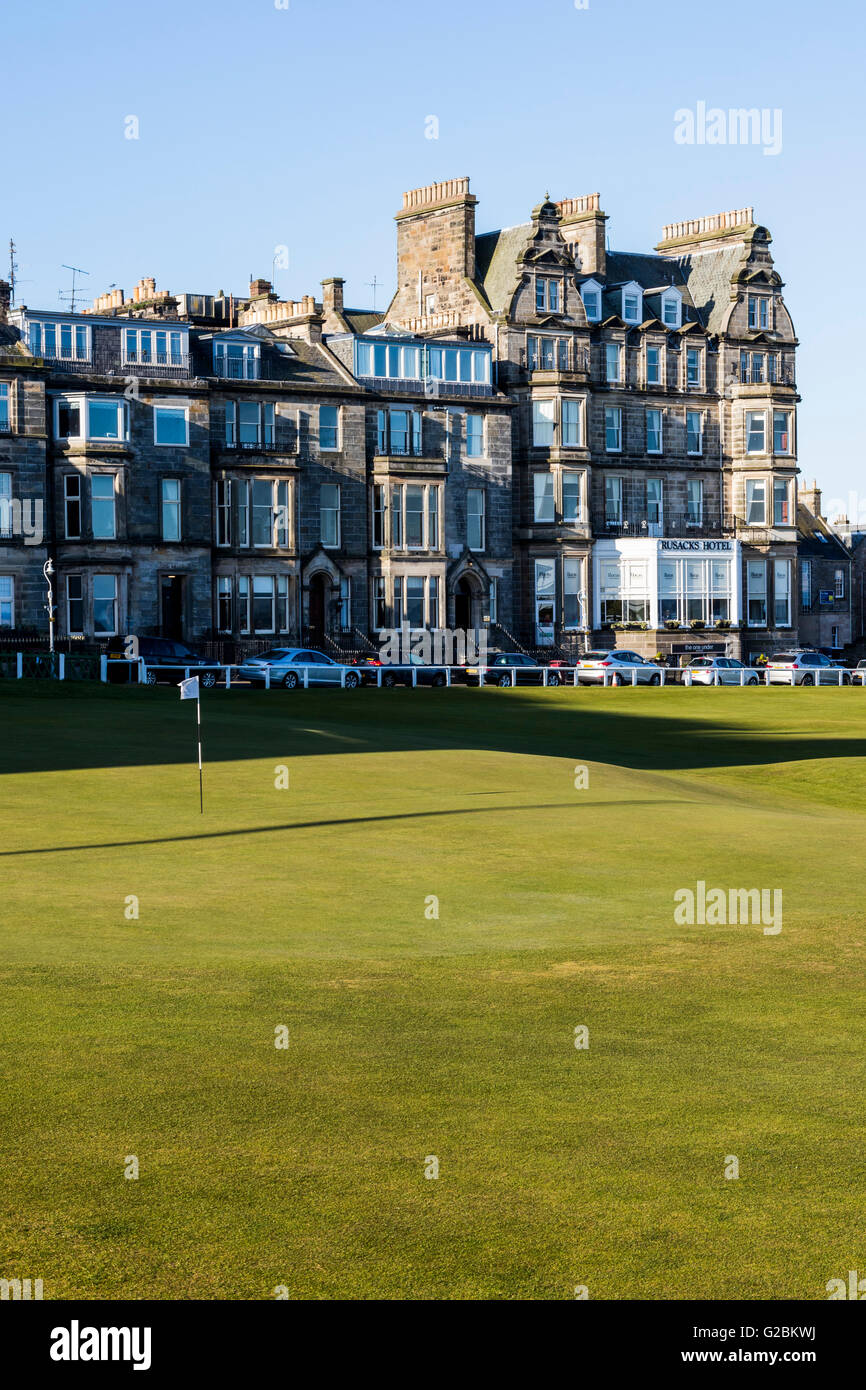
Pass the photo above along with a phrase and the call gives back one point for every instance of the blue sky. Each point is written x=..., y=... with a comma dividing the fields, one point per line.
x=262, y=127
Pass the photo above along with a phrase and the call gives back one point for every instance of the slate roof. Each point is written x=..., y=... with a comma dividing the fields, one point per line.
x=362, y=320
x=708, y=275
x=496, y=257
x=809, y=528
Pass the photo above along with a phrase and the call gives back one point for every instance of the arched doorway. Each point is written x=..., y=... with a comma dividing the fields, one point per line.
x=463, y=600
x=319, y=588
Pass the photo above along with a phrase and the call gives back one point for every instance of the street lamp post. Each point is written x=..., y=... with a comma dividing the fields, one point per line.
x=48, y=570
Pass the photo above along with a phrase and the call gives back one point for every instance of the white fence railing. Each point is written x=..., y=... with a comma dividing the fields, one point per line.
x=352, y=677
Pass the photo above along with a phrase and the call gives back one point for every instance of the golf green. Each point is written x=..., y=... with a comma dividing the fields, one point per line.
x=331, y=1023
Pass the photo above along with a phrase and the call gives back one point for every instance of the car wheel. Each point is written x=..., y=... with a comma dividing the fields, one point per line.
x=438, y=680
x=753, y=680
x=655, y=680
x=846, y=679
x=290, y=680
x=150, y=678
x=554, y=679
x=808, y=680
x=389, y=680
x=503, y=681
x=209, y=680
x=353, y=680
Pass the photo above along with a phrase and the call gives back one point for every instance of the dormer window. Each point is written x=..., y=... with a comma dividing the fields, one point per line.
x=759, y=311
x=591, y=295
x=632, y=297
x=672, y=309
x=547, y=295
x=239, y=361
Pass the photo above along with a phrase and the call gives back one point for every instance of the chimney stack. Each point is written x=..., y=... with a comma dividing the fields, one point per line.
x=332, y=295
x=260, y=289
x=811, y=497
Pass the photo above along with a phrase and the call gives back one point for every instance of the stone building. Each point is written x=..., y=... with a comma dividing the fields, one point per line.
x=576, y=444
x=826, y=574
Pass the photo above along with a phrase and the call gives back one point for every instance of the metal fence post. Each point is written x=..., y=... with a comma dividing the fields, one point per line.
x=306, y=677
x=267, y=678
x=61, y=667
x=103, y=667
x=687, y=676
x=447, y=675
x=228, y=678
x=634, y=675
x=342, y=678
x=544, y=671
x=513, y=676
x=715, y=675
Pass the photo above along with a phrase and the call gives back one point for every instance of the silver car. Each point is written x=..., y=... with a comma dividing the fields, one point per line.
x=720, y=670
x=286, y=667
x=804, y=668
x=592, y=667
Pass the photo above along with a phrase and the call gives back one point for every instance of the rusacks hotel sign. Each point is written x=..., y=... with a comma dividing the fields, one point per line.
x=696, y=545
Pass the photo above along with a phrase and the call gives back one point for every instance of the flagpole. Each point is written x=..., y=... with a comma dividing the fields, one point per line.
x=198, y=722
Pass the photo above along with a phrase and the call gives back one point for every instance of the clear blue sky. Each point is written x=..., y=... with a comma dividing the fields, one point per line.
x=262, y=127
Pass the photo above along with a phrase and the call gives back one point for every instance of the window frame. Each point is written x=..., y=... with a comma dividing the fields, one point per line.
x=99, y=475
x=166, y=503
x=480, y=516
x=337, y=445
x=170, y=408
x=336, y=511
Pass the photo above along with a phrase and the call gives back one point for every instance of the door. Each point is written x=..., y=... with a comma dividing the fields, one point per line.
x=317, y=607
x=171, y=606
x=463, y=607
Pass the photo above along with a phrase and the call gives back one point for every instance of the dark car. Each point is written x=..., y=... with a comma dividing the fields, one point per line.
x=402, y=674
x=167, y=661
x=498, y=668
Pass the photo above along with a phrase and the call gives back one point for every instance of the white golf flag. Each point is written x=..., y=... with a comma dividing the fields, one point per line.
x=189, y=689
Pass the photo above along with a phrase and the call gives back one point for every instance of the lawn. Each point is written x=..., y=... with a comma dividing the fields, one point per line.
x=430, y=909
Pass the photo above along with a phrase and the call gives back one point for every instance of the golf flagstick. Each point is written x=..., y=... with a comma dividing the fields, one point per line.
x=189, y=690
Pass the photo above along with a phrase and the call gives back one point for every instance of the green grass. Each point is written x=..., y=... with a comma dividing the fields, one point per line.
x=412, y=1036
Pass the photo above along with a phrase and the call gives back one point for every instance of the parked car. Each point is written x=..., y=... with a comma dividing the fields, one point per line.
x=859, y=675
x=704, y=671
x=592, y=666
x=803, y=668
x=499, y=666
x=402, y=674
x=165, y=661
x=286, y=667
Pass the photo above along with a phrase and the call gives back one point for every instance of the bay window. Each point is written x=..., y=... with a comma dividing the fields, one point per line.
x=90, y=418
x=165, y=347
x=572, y=489
x=756, y=502
x=243, y=603
x=756, y=593
x=782, y=593
x=379, y=516
x=781, y=432
x=571, y=590
x=380, y=607
x=782, y=510
x=414, y=516
x=543, y=497
x=572, y=433
x=415, y=600
x=546, y=354
x=399, y=362
x=543, y=423
x=756, y=425
x=263, y=512
x=241, y=494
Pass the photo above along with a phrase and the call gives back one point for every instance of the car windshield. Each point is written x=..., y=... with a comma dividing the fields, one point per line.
x=784, y=656
x=595, y=656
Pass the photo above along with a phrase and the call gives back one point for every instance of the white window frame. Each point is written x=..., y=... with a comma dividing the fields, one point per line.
x=839, y=582
x=174, y=409
x=782, y=566
x=5, y=408
x=250, y=359
x=753, y=484
x=657, y=411
x=784, y=453
x=480, y=516
x=593, y=288
x=480, y=436
x=580, y=475
x=36, y=331
x=747, y=430
x=609, y=348
x=675, y=298
x=10, y=601
x=577, y=402
x=689, y=349
x=73, y=631
x=105, y=632
x=690, y=483
x=170, y=358
x=544, y=492
x=659, y=348
x=113, y=478
x=169, y=503
x=544, y=415
x=632, y=291
x=337, y=511
x=699, y=415
x=616, y=412
x=338, y=430
x=83, y=403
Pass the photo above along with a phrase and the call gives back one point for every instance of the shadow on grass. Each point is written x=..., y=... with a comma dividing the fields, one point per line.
x=56, y=727
x=327, y=824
